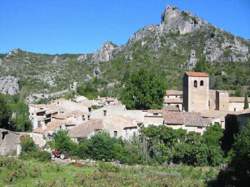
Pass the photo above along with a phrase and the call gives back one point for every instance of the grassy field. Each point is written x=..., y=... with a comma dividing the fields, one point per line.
x=15, y=172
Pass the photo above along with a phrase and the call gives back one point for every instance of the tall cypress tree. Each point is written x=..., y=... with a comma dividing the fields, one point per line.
x=246, y=104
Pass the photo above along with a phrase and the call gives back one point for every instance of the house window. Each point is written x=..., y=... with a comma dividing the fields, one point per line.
x=195, y=84
x=115, y=133
x=201, y=83
x=83, y=117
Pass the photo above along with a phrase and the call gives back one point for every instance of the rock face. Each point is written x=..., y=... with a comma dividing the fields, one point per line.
x=82, y=58
x=105, y=53
x=181, y=27
x=231, y=50
x=174, y=20
x=9, y=85
x=192, y=60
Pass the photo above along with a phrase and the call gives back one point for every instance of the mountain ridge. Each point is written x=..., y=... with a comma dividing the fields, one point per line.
x=176, y=44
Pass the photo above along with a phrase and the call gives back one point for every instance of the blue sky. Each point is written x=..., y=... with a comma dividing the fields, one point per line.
x=79, y=26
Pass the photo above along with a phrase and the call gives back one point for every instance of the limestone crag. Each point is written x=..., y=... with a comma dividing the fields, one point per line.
x=174, y=20
x=9, y=85
x=105, y=53
x=231, y=50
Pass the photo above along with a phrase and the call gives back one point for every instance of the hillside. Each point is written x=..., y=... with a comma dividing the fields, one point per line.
x=180, y=42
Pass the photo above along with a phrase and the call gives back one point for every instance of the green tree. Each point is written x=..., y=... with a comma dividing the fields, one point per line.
x=246, y=104
x=20, y=116
x=5, y=113
x=62, y=142
x=88, y=90
x=100, y=147
x=201, y=66
x=212, y=138
x=238, y=171
x=143, y=89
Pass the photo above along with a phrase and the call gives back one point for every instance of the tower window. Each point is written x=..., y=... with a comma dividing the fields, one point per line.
x=201, y=83
x=195, y=84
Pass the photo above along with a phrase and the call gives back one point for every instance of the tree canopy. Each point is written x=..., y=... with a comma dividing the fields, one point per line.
x=143, y=89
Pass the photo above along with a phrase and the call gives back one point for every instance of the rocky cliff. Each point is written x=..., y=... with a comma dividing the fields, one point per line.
x=9, y=85
x=176, y=44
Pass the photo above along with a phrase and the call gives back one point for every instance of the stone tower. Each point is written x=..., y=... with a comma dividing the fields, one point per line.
x=195, y=91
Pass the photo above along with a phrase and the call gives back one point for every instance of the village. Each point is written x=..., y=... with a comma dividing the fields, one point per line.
x=193, y=109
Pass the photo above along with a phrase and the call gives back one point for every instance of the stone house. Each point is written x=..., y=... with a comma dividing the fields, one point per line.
x=115, y=126
x=190, y=121
x=9, y=143
x=173, y=100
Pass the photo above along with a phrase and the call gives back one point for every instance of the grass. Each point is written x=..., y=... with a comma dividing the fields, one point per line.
x=16, y=172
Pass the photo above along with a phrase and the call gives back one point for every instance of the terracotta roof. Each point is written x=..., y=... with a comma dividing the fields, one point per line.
x=118, y=122
x=51, y=126
x=196, y=74
x=85, y=129
x=174, y=92
x=214, y=114
x=185, y=118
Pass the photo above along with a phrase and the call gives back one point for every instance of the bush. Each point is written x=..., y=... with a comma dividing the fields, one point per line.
x=107, y=167
x=238, y=171
x=30, y=150
x=28, y=144
x=62, y=142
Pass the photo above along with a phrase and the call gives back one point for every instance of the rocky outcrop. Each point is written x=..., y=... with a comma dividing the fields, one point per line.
x=105, y=53
x=82, y=58
x=214, y=44
x=174, y=20
x=229, y=50
x=9, y=85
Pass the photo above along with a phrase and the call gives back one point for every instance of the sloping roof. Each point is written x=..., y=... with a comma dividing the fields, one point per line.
x=174, y=92
x=185, y=118
x=238, y=99
x=84, y=129
x=196, y=74
x=243, y=112
x=214, y=114
x=51, y=126
x=118, y=122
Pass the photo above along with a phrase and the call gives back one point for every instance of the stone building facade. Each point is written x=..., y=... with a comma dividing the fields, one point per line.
x=197, y=97
x=195, y=91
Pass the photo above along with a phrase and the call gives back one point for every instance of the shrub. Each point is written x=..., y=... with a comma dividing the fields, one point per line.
x=62, y=142
x=28, y=144
x=30, y=150
x=107, y=167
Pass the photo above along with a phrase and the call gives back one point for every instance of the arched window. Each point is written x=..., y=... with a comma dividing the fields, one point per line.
x=195, y=84
x=201, y=83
